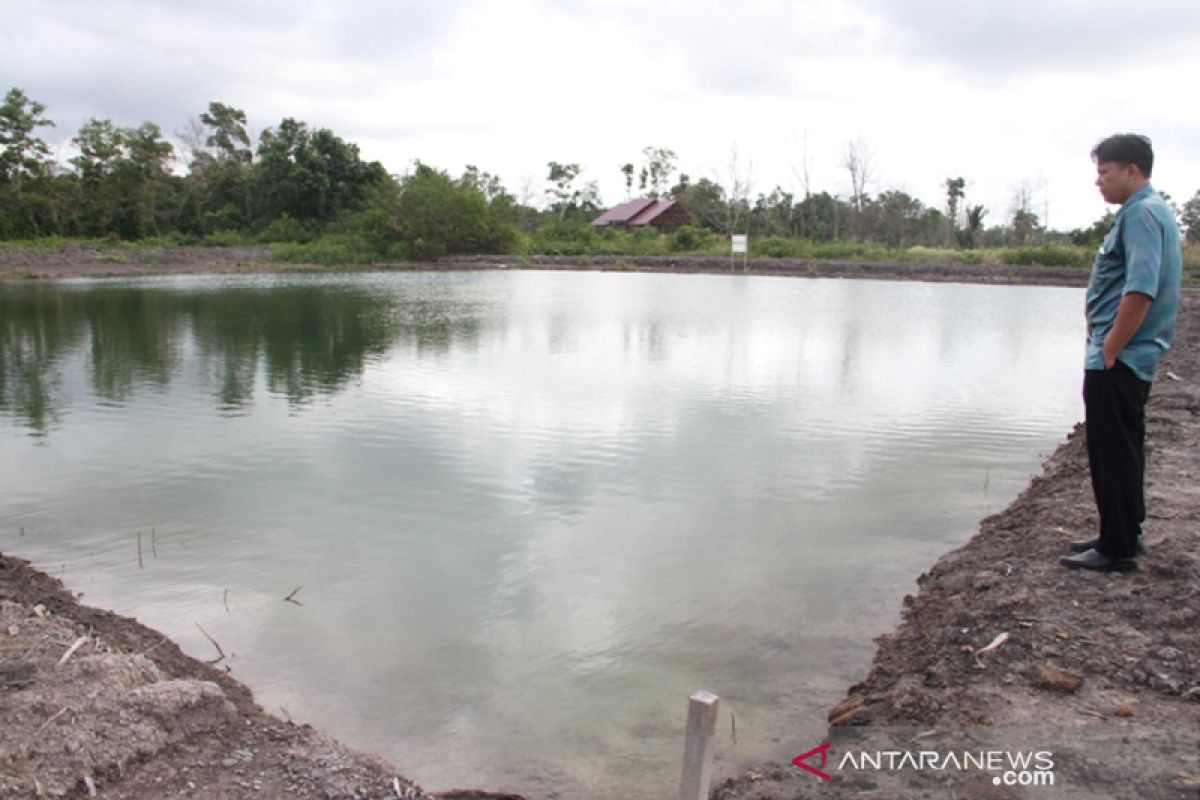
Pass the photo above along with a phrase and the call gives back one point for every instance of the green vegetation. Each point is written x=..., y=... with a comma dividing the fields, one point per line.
x=307, y=194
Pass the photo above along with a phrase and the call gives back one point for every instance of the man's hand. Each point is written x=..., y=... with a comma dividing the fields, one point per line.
x=1130, y=314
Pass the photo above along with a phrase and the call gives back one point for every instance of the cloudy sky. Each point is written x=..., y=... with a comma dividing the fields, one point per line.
x=1002, y=92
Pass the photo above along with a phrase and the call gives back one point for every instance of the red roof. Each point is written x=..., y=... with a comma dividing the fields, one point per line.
x=625, y=213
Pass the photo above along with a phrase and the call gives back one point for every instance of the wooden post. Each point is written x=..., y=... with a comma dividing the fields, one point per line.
x=697, y=748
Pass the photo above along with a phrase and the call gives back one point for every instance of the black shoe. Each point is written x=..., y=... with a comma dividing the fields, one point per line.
x=1090, y=544
x=1096, y=561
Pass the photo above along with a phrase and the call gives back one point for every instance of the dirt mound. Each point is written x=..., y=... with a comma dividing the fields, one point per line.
x=95, y=703
x=75, y=710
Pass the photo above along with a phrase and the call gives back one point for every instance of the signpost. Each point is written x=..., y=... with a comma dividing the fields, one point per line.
x=740, y=243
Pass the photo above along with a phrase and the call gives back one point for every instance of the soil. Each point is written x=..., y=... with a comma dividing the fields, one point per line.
x=1103, y=669
x=104, y=262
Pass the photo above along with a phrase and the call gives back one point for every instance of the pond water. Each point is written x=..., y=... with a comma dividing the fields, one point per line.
x=528, y=513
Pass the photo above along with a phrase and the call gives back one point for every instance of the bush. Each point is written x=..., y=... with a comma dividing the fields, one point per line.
x=1047, y=255
x=285, y=229
x=776, y=247
x=691, y=238
x=331, y=250
x=226, y=238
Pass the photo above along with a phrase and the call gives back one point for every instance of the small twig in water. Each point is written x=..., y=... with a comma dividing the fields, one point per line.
x=225, y=600
x=214, y=644
x=291, y=598
x=140, y=564
x=733, y=725
x=154, y=542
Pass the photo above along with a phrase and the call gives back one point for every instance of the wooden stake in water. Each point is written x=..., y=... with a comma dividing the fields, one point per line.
x=697, y=748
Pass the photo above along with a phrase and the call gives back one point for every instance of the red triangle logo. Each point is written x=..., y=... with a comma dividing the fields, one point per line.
x=823, y=751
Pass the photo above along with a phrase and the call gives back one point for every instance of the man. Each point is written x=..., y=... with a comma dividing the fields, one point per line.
x=1132, y=302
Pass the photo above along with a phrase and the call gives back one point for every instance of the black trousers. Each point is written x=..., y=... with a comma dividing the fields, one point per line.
x=1114, y=402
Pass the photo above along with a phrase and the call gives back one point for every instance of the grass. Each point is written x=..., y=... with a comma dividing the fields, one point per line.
x=353, y=249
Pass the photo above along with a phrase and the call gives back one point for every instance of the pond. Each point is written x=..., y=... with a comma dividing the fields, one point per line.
x=524, y=515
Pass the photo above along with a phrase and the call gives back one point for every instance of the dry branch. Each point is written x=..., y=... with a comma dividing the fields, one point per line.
x=214, y=644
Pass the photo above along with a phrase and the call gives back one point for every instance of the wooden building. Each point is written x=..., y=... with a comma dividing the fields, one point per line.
x=665, y=215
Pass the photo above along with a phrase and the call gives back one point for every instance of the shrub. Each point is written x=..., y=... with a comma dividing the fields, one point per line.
x=1047, y=255
x=690, y=238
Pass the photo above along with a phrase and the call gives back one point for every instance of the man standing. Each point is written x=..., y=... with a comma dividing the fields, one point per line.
x=1132, y=302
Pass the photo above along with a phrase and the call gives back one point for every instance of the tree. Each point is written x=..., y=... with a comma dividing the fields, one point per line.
x=433, y=215
x=22, y=154
x=227, y=138
x=1023, y=222
x=568, y=199
x=218, y=192
x=704, y=200
x=821, y=216
x=1093, y=235
x=657, y=171
x=974, y=226
x=955, y=192
x=738, y=182
x=627, y=171
x=310, y=175
x=774, y=214
x=1190, y=217
x=859, y=163
x=896, y=218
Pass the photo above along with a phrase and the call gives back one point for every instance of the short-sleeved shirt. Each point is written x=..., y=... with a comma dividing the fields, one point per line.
x=1142, y=253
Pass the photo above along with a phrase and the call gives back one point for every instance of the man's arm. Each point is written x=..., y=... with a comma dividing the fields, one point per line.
x=1130, y=314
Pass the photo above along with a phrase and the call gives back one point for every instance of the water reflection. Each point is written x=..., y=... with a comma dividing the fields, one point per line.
x=306, y=340
x=532, y=512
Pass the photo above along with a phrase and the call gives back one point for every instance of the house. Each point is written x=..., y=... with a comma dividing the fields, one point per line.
x=666, y=215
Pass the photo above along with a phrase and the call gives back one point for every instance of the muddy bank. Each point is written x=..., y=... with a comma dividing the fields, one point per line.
x=100, y=262
x=93, y=702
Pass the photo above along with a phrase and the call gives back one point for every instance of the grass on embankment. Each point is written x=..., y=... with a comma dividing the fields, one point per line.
x=353, y=250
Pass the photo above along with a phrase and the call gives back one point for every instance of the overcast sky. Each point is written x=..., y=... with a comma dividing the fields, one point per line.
x=1001, y=92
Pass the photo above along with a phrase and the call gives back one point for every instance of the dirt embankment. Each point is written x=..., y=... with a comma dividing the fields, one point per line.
x=104, y=262
x=92, y=703
x=998, y=635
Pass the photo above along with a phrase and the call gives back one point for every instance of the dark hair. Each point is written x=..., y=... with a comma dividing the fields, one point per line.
x=1126, y=148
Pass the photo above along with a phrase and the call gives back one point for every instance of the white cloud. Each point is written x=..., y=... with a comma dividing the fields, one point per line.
x=996, y=92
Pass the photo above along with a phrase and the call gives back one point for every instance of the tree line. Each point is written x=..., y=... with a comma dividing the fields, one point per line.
x=307, y=186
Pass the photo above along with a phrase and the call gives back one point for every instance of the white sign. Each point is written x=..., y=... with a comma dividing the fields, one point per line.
x=739, y=242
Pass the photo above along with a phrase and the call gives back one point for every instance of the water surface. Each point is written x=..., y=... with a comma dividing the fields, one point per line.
x=530, y=513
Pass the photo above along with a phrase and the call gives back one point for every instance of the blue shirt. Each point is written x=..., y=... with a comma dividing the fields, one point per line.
x=1142, y=253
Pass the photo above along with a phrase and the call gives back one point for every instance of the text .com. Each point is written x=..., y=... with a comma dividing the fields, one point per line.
x=1008, y=767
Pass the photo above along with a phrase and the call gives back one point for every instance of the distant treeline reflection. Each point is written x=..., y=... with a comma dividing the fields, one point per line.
x=304, y=341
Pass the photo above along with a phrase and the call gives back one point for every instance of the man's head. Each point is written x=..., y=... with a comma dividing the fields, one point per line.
x=1123, y=165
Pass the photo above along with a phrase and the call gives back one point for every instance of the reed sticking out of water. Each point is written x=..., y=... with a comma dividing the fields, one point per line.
x=154, y=542
x=291, y=598
x=225, y=600
x=214, y=644
x=140, y=564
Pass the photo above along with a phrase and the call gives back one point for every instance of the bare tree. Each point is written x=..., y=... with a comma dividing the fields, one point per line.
x=803, y=173
x=1023, y=221
x=192, y=137
x=738, y=182
x=859, y=161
